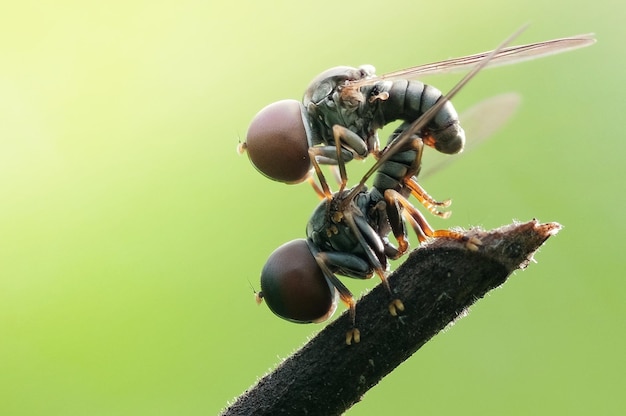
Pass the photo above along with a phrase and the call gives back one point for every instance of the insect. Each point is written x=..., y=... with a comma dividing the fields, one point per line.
x=349, y=105
x=347, y=232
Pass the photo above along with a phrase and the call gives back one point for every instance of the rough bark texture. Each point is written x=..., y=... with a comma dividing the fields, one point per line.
x=436, y=283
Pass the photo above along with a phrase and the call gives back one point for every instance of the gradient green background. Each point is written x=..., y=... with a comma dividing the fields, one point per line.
x=130, y=228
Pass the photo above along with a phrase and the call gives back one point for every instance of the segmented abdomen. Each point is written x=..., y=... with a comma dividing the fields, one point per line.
x=409, y=100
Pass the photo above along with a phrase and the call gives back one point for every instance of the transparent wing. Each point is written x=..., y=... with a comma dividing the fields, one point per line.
x=480, y=122
x=501, y=55
x=509, y=55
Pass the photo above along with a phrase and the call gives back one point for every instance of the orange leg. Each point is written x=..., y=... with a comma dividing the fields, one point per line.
x=339, y=132
x=421, y=226
x=324, y=192
x=416, y=145
x=416, y=189
x=426, y=200
x=316, y=187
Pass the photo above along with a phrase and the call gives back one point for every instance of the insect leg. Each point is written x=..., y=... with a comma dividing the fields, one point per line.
x=426, y=200
x=421, y=226
x=384, y=222
x=396, y=222
x=375, y=252
x=353, y=334
x=339, y=132
x=352, y=141
x=416, y=189
x=319, y=191
x=402, y=169
x=325, y=192
x=328, y=155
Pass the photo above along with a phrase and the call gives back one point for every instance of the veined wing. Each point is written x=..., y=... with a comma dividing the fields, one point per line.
x=506, y=56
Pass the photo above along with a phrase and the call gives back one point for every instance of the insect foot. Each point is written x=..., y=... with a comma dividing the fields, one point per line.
x=396, y=306
x=472, y=243
x=353, y=335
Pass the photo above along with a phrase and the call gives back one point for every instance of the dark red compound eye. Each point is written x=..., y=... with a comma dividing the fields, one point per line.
x=277, y=142
x=294, y=287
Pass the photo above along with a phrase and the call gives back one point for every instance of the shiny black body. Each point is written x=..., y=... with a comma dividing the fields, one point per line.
x=335, y=97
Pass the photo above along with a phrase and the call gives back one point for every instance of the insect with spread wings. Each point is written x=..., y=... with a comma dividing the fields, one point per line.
x=351, y=104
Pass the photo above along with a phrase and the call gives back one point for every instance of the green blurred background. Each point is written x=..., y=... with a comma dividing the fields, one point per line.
x=130, y=230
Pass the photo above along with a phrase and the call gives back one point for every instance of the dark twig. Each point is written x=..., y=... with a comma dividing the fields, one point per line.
x=437, y=283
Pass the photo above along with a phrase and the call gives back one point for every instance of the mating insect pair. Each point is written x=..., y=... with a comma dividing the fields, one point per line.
x=347, y=234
